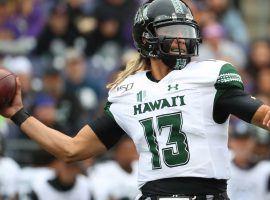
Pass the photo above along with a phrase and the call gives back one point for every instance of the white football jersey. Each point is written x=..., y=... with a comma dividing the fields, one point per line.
x=80, y=191
x=250, y=184
x=171, y=121
x=28, y=176
x=9, y=172
x=116, y=183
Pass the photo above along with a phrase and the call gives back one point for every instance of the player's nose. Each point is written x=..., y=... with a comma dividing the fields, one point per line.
x=179, y=43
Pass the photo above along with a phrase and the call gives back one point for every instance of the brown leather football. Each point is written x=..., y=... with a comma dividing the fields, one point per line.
x=7, y=87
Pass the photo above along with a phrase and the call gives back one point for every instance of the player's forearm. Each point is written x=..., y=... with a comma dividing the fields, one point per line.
x=55, y=142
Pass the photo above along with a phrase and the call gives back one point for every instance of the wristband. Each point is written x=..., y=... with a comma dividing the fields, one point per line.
x=19, y=117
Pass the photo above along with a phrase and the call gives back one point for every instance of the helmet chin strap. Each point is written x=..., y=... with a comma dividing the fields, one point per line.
x=175, y=63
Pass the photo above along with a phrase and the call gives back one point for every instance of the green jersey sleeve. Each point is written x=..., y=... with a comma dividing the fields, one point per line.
x=228, y=78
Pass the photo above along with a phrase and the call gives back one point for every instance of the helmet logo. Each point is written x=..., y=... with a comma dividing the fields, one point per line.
x=141, y=15
x=138, y=18
x=145, y=13
x=177, y=6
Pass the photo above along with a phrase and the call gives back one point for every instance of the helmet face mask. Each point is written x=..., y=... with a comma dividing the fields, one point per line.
x=165, y=29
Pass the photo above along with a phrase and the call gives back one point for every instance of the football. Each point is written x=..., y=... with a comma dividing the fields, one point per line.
x=7, y=87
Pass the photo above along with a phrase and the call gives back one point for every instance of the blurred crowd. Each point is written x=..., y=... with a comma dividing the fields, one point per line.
x=66, y=51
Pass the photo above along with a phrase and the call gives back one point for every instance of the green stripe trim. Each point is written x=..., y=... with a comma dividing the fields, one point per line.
x=228, y=78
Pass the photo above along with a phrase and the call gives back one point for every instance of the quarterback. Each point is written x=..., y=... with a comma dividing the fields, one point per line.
x=176, y=111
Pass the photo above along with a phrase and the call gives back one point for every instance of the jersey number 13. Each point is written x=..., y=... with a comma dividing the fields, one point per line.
x=171, y=157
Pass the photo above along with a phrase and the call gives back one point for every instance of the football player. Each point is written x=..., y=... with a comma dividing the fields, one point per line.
x=176, y=111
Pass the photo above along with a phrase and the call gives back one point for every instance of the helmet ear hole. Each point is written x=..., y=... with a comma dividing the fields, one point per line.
x=150, y=46
x=144, y=40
